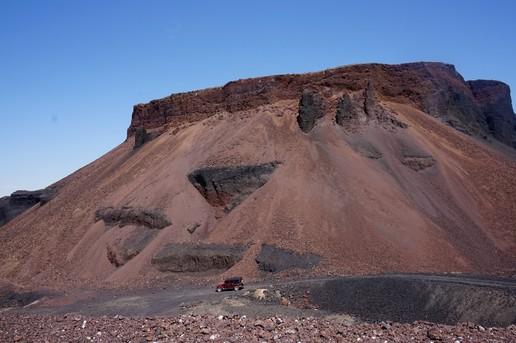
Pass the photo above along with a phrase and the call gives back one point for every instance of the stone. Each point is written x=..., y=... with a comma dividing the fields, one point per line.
x=434, y=334
x=418, y=163
x=127, y=215
x=227, y=187
x=192, y=227
x=260, y=293
x=310, y=109
x=190, y=257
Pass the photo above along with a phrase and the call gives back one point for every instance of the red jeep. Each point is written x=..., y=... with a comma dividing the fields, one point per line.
x=234, y=283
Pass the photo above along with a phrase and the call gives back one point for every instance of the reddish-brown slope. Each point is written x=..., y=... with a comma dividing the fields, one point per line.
x=348, y=194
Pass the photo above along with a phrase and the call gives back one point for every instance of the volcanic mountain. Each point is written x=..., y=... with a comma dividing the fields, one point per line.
x=354, y=170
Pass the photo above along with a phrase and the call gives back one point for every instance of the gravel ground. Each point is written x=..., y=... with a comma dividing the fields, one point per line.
x=187, y=328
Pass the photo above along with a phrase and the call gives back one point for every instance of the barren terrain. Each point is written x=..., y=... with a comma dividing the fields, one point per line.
x=353, y=171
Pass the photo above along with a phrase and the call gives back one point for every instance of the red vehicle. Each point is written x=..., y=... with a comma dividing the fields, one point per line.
x=234, y=283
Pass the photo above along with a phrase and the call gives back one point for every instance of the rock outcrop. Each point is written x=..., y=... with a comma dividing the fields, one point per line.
x=474, y=107
x=142, y=136
x=273, y=259
x=346, y=111
x=20, y=201
x=121, y=251
x=126, y=215
x=494, y=100
x=228, y=186
x=189, y=257
x=310, y=109
x=418, y=163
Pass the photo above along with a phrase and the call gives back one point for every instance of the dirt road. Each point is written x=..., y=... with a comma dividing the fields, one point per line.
x=398, y=297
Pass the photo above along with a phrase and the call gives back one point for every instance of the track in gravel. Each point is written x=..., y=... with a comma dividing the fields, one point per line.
x=399, y=297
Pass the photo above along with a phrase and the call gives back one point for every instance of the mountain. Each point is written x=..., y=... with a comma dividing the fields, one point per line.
x=360, y=169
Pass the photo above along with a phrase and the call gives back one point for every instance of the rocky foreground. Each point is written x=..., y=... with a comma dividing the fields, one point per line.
x=77, y=328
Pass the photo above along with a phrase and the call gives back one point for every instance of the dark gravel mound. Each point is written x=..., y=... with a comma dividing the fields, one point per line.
x=408, y=300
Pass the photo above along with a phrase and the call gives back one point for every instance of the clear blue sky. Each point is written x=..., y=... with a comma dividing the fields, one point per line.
x=70, y=71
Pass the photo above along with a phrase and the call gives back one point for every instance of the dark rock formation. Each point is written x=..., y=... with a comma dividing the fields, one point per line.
x=310, y=109
x=150, y=218
x=370, y=99
x=494, y=99
x=351, y=114
x=141, y=136
x=187, y=257
x=19, y=201
x=346, y=111
x=192, y=227
x=415, y=158
x=435, y=88
x=273, y=259
x=418, y=163
x=121, y=251
x=229, y=186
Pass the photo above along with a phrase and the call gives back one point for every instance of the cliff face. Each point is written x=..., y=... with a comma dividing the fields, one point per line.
x=476, y=107
x=494, y=100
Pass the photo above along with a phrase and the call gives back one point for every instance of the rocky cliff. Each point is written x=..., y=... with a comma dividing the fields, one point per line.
x=482, y=108
x=20, y=201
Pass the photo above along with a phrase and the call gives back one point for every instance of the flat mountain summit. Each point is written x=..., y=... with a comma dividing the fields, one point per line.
x=360, y=169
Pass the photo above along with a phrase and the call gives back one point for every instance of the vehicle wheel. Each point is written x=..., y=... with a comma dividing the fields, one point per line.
x=236, y=288
x=218, y=290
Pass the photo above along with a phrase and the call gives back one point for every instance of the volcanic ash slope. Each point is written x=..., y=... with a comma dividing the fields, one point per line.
x=328, y=172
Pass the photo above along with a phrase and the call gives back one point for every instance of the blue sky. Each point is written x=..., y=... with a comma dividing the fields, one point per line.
x=70, y=71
